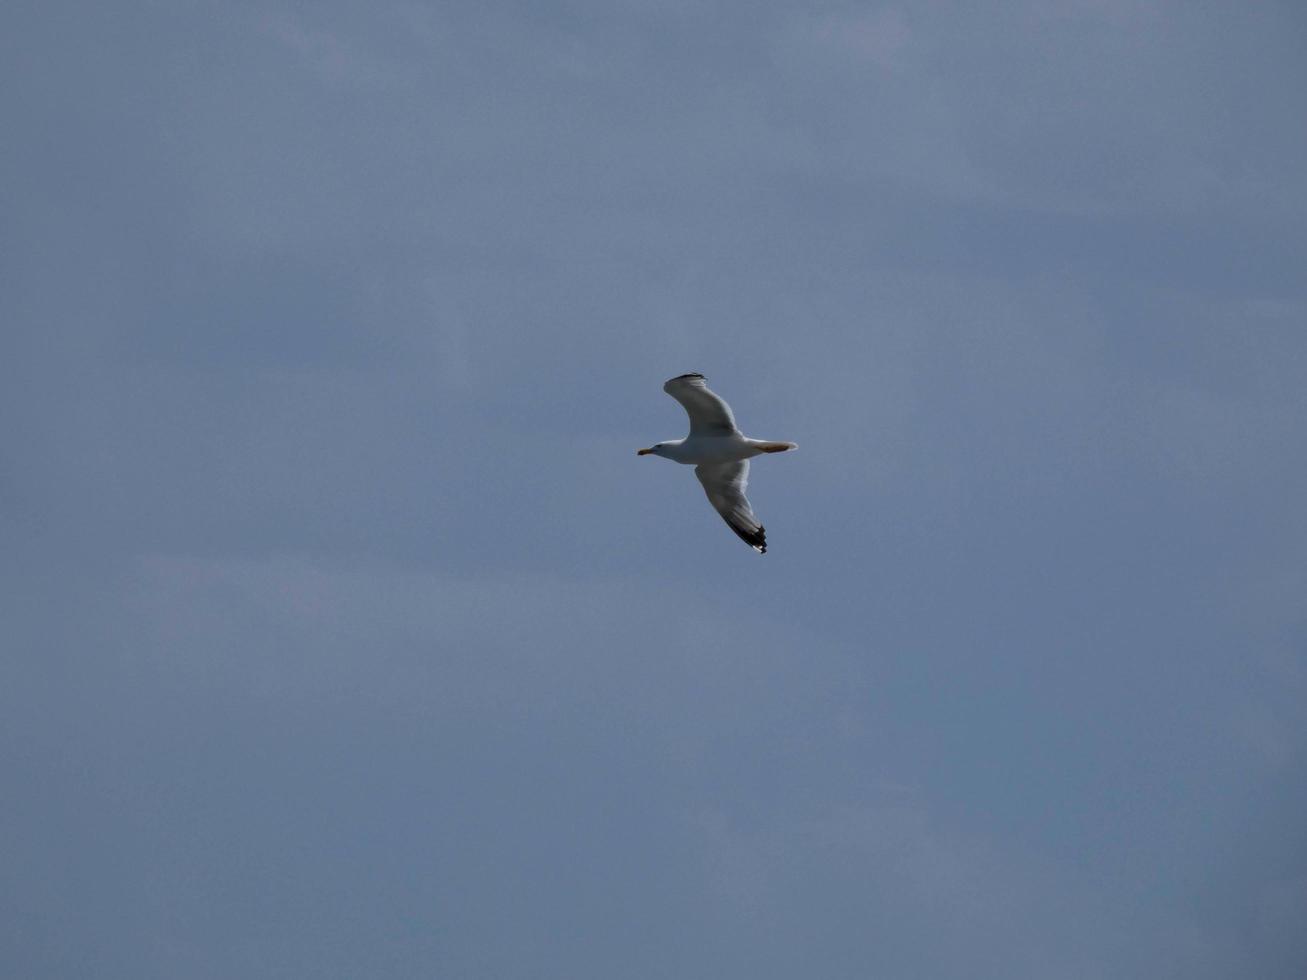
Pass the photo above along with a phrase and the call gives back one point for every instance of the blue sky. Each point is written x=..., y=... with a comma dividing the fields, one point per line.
x=347, y=636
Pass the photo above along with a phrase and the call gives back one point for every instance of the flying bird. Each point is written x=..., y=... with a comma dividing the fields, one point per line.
x=719, y=453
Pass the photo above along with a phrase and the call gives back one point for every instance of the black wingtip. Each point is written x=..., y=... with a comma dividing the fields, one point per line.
x=686, y=377
x=757, y=540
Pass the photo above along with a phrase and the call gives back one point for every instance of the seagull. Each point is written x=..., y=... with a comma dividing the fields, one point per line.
x=720, y=455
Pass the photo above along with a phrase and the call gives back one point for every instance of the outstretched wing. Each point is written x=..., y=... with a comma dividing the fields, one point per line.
x=725, y=484
x=709, y=415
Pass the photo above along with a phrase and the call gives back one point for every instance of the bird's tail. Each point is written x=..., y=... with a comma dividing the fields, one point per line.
x=777, y=447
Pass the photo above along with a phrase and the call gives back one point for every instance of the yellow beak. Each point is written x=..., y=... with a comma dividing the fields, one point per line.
x=643, y=452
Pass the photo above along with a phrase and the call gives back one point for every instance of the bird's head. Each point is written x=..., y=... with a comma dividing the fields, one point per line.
x=657, y=449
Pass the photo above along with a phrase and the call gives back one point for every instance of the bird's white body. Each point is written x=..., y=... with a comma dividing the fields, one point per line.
x=719, y=453
x=693, y=450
